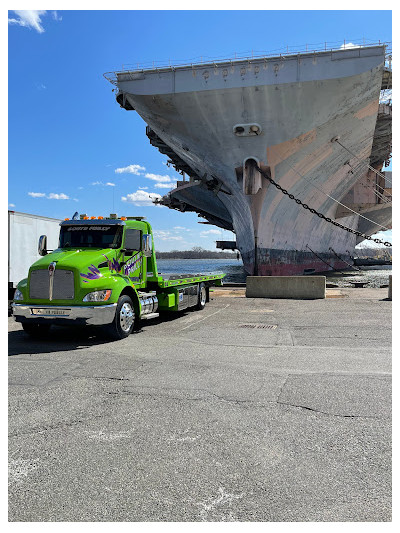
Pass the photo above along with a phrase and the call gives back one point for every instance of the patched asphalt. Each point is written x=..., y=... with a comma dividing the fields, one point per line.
x=251, y=410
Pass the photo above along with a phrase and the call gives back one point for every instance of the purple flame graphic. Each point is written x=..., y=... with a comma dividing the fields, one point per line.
x=113, y=265
x=94, y=273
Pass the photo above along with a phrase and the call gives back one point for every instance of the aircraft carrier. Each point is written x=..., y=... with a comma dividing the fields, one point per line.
x=313, y=122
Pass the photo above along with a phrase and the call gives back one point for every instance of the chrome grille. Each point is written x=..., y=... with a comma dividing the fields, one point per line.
x=63, y=287
x=39, y=284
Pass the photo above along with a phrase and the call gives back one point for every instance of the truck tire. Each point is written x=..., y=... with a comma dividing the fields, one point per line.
x=37, y=331
x=201, y=302
x=124, y=320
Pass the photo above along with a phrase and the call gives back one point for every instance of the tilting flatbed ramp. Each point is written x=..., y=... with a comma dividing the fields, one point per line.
x=171, y=280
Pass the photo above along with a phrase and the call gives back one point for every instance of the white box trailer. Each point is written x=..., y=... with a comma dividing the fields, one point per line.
x=24, y=231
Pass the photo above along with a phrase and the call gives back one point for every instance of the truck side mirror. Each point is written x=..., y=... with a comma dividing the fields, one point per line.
x=42, y=245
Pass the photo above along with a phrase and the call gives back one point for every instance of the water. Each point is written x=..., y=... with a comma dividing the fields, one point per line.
x=373, y=276
x=231, y=267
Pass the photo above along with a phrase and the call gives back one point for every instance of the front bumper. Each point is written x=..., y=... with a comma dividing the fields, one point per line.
x=90, y=315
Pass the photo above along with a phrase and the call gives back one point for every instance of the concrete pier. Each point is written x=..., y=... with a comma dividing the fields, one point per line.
x=274, y=410
x=296, y=287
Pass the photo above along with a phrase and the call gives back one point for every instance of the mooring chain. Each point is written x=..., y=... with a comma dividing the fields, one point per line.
x=320, y=215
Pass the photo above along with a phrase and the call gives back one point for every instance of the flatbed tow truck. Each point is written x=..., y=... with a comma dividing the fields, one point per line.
x=104, y=273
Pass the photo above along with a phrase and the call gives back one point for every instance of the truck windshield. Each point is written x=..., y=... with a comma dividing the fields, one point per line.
x=90, y=236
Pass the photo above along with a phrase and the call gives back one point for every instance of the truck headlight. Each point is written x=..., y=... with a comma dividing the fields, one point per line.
x=18, y=295
x=98, y=296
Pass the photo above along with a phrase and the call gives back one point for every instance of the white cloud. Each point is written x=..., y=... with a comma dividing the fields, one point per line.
x=164, y=235
x=210, y=232
x=30, y=18
x=164, y=185
x=161, y=233
x=143, y=188
x=11, y=205
x=349, y=45
x=36, y=194
x=51, y=196
x=56, y=196
x=130, y=169
x=159, y=178
x=108, y=184
x=56, y=16
x=141, y=198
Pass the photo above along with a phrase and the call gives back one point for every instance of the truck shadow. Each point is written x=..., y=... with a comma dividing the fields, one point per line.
x=63, y=339
x=164, y=318
x=58, y=340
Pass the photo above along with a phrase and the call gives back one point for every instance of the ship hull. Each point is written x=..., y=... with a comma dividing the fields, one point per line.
x=276, y=262
x=300, y=106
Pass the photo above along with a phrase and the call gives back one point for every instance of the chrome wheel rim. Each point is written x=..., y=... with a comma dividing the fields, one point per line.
x=126, y=317
x=203, y=296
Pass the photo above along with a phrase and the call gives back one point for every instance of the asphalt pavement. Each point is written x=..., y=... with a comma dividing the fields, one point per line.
x=251, y=410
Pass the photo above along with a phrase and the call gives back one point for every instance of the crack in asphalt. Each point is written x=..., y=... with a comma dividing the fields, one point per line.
x=182, y=398
x=58, y=425
x=154, y=395
x=106, y=378
x=248, y=401
x=259, y=388
x=330, y=414
x=282, y=386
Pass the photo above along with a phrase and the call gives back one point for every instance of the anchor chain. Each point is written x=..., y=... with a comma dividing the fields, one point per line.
x=320, y=215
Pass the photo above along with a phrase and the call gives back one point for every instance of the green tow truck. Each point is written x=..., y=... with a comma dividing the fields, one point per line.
x=104, y=273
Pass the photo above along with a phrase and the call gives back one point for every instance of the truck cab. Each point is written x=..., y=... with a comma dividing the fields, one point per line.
x=104, y=273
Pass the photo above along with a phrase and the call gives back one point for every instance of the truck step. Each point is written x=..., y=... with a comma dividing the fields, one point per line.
x=149, y=316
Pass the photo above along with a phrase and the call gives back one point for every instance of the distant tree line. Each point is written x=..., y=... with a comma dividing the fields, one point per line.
x=373, y=252
x=197, y=252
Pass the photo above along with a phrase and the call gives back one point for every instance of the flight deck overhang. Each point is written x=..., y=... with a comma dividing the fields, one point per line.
x=194, y=196
x=292, y=68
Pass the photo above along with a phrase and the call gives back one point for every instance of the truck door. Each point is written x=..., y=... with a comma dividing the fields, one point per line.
x=133, y=256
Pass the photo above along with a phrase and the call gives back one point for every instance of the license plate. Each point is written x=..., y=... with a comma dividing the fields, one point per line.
x=52, y=312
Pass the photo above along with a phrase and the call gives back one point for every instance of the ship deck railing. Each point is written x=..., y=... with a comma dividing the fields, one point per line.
x=280, y=53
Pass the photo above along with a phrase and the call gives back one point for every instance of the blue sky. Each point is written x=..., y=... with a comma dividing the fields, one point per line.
x=72, y=148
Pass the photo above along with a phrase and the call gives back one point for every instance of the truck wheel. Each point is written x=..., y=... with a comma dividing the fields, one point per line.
x=201, y=303
x=37, y=331
x=124, y=321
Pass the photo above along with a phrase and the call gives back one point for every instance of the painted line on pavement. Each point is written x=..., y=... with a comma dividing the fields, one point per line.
x=201, y=319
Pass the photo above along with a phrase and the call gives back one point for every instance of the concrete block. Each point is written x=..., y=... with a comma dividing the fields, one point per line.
x=390, y=287
x=296, y=287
